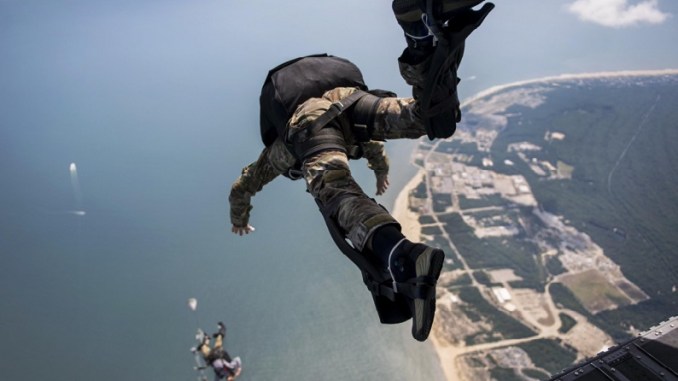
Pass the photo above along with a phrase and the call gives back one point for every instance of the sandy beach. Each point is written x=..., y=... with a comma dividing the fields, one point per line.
x=409, y=221
x=447, y=355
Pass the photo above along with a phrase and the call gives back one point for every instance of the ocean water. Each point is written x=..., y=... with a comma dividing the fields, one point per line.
x=103, y=295
x=156, y=104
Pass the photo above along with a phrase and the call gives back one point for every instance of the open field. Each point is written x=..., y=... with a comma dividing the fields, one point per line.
x=594, y=291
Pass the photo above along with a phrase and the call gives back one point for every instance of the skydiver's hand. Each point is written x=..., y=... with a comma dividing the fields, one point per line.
x=382, y=184
x=240, y=230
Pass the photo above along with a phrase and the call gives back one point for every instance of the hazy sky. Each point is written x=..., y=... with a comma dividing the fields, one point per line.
x=168, y=45
x=530, y=38
x=194, y=68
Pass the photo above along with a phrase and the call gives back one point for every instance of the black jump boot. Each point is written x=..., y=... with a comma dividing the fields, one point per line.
x=415, y=269
x=436, y=55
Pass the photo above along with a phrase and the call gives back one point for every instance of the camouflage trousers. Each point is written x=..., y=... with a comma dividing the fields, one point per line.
x=328, y=176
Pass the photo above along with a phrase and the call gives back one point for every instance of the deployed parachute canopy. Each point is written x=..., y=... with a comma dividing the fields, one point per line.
x=192, y=303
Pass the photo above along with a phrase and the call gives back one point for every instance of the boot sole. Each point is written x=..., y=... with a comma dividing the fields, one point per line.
x=429, y=263
x=409, y=11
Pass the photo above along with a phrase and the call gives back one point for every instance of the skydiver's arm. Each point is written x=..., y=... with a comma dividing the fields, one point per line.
x=240, y=199
x=273, y=161
x=377, y=161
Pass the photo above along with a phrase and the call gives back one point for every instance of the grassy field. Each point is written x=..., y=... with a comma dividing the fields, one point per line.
x=594, y=291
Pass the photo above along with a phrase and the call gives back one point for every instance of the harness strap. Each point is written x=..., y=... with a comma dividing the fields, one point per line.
x=316, y=138
x=422, y=287
x=335, y=110
x=322, y=140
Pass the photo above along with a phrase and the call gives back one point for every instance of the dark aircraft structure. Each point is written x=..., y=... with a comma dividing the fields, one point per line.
x=652, y=356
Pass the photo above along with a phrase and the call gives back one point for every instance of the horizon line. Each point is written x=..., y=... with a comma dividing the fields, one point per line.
x=569, y=76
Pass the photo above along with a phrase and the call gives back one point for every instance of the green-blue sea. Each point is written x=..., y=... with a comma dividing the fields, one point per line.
x=122, y=127
x=102, y=296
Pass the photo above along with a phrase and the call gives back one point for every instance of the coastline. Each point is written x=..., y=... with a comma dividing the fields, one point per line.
x=446, y=356
x=409, y=220
x=411, y=228
x=448, y=353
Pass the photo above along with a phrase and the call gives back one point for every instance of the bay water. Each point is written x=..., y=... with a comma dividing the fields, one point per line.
x=103, y=295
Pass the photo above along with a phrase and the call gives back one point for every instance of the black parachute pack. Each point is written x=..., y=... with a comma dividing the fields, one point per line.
x=291, y=83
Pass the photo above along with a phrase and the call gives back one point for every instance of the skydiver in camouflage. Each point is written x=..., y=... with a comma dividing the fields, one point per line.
x=413, y=268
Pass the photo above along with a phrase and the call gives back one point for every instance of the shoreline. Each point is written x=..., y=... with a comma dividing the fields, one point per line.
x=569, y=77
x=409, y=220
x=411, y=228
x=446, y=356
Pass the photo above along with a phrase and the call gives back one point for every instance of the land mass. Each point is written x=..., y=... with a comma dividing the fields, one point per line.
x=538, y=272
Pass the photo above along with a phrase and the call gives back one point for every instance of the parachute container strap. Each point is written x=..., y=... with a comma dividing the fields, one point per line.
x=323, y=140
x=335, y=110
x=421, y=287
x=375, y=280
x=315, y=138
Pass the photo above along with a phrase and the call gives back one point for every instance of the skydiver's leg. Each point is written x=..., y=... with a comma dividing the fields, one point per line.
x=413, y=19
x=204, y=348
x=436, y=91
x=219, y=348
x=328, y=179
x=398, y=118
x=414, y=268
x=218, y=342
x=365, y=223
x=415, y=66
